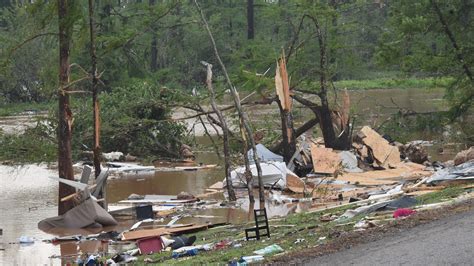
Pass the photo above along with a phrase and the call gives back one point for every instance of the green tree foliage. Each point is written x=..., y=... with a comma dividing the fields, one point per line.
x=421, y=40
x=365, y=39
x=135, y=119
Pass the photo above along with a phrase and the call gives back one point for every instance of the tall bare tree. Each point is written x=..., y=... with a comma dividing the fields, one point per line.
x=225, y=132
x=244, y=120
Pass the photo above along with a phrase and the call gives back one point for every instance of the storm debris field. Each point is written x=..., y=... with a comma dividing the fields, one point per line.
x=341, y=191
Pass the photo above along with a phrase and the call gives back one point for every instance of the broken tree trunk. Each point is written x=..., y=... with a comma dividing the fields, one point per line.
x=225, y=131
x=64, y=112
x=242, y=115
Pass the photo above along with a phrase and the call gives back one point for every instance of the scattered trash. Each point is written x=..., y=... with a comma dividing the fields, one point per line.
x=123, y=258
x=364, y=224
x=367, y=179
x=269, y=250
x=251, y=259
x=113, y=156
x=223, y=244
x=26, y=240
x=184, y=251
x=264, y=155
x=273, y=175
x=182, y=241
x=134, y=235
x=349, y=162
x=166, y=242
x=299, y=240
x=403, y=212
x=464, y=171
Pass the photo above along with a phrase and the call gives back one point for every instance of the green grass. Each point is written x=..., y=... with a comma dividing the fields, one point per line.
x=305, y=226
x=394, y=83
x=17, y=108
x=286, y=232
x=442, y=195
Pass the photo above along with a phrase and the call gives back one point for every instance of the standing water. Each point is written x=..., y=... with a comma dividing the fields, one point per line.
x=27, y=195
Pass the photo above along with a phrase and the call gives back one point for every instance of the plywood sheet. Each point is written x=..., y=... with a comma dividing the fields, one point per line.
x=384, y=177
x=385, y=154
x=294, y=183
x=325, y=160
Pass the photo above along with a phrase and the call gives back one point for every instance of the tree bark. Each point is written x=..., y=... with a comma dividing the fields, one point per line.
x=288, y=133
x=298, y=132
x=64, y=112
x=153, y=48
x=323, y=112
x=242, y=115
x=225, y=132
x=94, y=89
x=250, y=20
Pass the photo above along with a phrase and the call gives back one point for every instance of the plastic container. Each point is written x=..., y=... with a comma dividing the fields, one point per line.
x=150, y=245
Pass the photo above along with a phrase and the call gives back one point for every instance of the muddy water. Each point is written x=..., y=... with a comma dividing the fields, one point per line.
x=28, y=196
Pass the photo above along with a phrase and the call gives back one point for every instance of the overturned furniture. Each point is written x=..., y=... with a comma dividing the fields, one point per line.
x=261, y=224
x=87, y=212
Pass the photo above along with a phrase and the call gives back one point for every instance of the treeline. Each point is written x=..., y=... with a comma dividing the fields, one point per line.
x=152, y=49
x=162, y=42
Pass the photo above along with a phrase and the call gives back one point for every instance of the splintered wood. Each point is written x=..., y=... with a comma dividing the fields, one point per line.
x=385, y=155
x=325, y=160
x=282, y=85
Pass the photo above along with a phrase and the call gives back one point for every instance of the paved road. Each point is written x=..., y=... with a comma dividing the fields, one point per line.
x=449, y=241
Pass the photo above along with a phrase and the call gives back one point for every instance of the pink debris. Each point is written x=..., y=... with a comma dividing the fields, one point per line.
x=402, y=212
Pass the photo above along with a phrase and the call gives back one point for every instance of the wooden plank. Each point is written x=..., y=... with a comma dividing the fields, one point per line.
x=157, y=201
x=325, y=160
x=71, y=196
x=385, y=177
x=161, y=231
x=385, y=154
x=217, y=185
x=192, y=168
